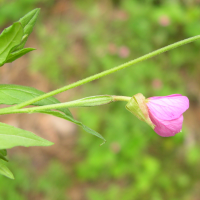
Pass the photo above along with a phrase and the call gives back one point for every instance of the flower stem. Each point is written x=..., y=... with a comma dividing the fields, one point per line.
x=107, y=72
x=85, y=102
x=121, y=98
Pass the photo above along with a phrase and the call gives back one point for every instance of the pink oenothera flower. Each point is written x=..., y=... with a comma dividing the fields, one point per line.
x=166, y=113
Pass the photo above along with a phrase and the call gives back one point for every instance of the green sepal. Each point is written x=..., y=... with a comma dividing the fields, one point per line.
x=138, y=107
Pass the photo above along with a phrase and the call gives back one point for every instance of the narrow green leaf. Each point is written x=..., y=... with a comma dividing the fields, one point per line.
x=10, y=38
x=17, y=54
x=28, y=22
x=62, y=115
x=15, y=94
x=11, y=137
x=5, y=171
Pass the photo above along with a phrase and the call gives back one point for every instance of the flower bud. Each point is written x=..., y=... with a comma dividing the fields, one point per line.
x=93, y=101
x=162, y=113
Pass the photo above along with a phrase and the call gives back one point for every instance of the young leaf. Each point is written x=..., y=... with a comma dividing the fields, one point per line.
x=15, y=94
x=28, y=22
x=5, y=171
x=10, y=38
x=11, y=137
x=17, y=54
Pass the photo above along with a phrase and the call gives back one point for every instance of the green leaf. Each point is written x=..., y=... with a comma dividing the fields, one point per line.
x=15, y=94
x=87, y=129
x=5, y=171
x=28, y=22
x=11, y=137
x=10, y=38
x=17, y=54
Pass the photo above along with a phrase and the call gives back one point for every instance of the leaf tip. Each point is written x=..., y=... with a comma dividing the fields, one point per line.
x=11, y=177
x=49, y=143
x=37, y=10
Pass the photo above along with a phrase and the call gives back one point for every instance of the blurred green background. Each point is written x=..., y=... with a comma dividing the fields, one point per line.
x=75, y=39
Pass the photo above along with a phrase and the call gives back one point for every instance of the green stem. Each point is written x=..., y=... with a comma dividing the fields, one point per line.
x=107, y=72
x=121, y=98
x=85, y=102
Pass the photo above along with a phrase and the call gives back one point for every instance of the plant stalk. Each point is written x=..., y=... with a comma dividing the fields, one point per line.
x=85, y=102
x=106, y=72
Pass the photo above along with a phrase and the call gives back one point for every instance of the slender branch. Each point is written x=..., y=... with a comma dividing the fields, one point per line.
x=107, y=72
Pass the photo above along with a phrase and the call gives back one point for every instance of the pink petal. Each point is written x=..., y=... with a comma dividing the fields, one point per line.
x=168, y=107
x=167, y=128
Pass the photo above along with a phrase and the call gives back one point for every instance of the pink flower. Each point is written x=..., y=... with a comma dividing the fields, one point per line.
x=166, y=112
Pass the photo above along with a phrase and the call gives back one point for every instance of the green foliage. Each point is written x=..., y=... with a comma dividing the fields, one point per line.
x=10, y=38
x=15, y=94
x=17, y=54
x=14, y=38
x=28, y=22
x=11, y=137
x=5, y=171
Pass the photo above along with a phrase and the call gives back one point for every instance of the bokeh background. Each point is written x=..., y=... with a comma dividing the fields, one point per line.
x=75, y=39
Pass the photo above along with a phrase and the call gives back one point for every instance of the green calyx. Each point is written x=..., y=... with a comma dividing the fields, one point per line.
x=137, y=106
